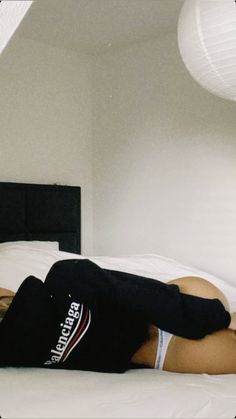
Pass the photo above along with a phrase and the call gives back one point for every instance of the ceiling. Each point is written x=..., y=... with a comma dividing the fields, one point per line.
x=94, y=26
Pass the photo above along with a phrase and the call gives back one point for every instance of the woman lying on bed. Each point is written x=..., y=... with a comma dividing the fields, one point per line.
x=85, y=317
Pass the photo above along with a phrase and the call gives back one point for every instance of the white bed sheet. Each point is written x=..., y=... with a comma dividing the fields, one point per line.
x=39, y=393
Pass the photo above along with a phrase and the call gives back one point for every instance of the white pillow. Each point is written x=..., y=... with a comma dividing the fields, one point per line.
x=18, y=262
x=54, y=245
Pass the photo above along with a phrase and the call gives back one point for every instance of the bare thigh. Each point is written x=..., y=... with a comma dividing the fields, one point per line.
x=215, y=353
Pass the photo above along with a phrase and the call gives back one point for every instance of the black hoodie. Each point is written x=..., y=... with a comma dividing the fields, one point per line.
x=89, y=318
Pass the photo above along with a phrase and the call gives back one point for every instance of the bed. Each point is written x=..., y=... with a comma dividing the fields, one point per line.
x=39, y=225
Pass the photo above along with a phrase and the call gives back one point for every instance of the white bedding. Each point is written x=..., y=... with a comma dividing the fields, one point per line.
x=38, y=393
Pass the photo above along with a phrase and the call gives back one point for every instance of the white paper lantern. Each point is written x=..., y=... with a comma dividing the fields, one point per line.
x=11, y=14
x=207, y=43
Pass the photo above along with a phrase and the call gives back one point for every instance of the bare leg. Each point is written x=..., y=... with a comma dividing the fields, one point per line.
x=215, y=353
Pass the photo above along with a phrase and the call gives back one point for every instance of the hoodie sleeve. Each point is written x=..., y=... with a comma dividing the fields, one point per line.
x=148, y=299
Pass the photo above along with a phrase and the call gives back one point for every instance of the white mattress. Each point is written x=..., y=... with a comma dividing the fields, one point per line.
x=39, y=393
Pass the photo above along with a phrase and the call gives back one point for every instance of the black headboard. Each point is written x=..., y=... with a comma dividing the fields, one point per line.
x=41, y=212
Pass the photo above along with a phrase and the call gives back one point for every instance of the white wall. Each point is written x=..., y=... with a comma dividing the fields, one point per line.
x=164, y=160
x=162, y=176
x=45, y=120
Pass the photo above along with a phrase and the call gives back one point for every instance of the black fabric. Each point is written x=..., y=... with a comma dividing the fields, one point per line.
x=85, y=317
x=41, y=212
x=12, y=210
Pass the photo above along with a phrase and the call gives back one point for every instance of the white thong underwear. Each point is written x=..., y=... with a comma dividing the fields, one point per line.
x=163, y=342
